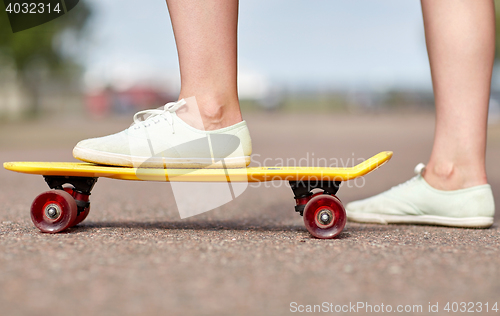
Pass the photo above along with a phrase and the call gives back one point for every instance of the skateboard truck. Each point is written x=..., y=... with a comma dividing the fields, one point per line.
x=81, y=184
x=80, y=190
x=302, y=191
x=323, y=213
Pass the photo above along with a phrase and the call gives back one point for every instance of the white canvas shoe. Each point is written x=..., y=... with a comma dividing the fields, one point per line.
x=416, y=202
x=163, y=140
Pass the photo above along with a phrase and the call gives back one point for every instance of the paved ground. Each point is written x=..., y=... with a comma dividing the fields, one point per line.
x=252, y=256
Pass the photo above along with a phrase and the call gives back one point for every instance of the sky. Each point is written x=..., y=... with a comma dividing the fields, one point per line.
x=330, y=44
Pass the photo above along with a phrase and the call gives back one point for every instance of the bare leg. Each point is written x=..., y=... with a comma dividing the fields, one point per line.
x=205, y=33
x=460, y=39
x=206, y=36
x=460, y=42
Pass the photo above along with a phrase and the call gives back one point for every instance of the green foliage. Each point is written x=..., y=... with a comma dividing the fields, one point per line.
x=37, y=47
x=38, y=43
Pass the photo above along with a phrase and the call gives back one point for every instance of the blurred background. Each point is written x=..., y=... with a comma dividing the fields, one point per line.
x=317, y=79
x=108, y=58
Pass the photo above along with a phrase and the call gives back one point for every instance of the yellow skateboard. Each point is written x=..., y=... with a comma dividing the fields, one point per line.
x=67, y=204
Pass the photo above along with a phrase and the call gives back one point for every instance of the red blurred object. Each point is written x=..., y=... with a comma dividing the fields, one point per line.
x=110, y=101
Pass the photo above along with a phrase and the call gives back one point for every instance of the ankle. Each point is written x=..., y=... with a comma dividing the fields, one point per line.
x=211, y=113
x=219, y=114
x=450, y=176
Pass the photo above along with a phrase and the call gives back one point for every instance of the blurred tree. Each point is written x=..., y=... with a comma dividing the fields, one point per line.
x=37, y=50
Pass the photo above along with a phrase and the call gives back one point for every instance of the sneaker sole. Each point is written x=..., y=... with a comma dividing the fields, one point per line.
x=103, y=158
x=467, y=222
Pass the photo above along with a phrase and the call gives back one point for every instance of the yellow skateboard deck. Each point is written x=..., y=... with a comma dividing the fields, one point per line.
x=251, y=174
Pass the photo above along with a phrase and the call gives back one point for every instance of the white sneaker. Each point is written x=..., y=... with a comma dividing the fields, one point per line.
x=416, y=202
x=164, y=140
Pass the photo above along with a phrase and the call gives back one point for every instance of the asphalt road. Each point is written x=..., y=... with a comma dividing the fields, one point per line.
x=135, y=256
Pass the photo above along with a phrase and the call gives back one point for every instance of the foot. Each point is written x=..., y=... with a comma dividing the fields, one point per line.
x=165, y=140
x=416, y=202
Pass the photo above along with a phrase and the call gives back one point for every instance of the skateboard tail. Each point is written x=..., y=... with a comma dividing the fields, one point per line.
x=371, y=164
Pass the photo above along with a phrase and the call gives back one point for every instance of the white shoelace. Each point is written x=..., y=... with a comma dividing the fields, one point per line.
x=154, y=114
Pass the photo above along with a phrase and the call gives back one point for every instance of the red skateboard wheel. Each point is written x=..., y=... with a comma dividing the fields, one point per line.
x=324, y=216
x=53, y=211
